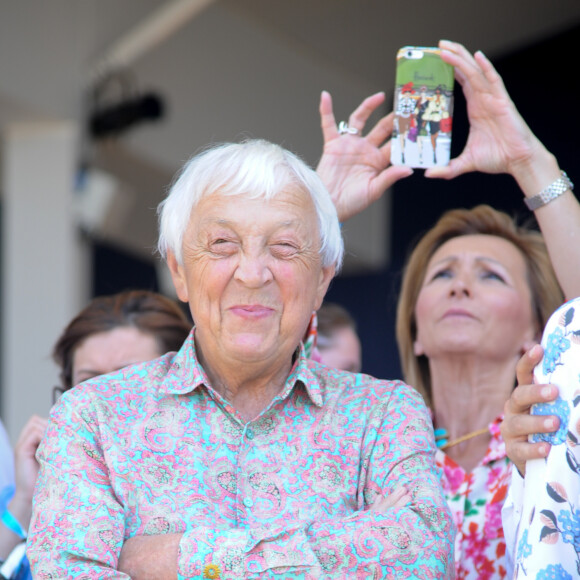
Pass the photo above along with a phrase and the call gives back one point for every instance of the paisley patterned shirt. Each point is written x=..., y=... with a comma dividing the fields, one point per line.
x=476, y=498
x=153, y=449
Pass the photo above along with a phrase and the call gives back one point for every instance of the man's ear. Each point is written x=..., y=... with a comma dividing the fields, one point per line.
x=326, y=275
x=178, y=276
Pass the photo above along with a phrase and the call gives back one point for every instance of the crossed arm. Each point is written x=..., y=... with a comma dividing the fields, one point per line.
x=156, y=557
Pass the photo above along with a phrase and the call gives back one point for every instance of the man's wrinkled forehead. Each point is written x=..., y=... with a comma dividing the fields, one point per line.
x=294, y=209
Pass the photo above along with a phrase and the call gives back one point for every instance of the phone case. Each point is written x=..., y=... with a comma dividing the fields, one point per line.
x=423, y=106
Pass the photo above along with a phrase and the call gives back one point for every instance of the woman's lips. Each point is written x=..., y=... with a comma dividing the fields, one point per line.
x=458, y=313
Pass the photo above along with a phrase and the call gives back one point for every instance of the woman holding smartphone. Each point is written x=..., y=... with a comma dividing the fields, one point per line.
x=499, y=141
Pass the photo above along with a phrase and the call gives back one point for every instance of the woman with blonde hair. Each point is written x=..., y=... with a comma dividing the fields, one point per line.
x=481, y=220
x=477, y=289
x=476, y=292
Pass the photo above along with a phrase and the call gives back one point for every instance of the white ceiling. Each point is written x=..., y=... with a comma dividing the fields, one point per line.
x=240, y=68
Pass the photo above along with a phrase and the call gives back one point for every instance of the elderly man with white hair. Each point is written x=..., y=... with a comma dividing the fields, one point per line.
x=238, y=457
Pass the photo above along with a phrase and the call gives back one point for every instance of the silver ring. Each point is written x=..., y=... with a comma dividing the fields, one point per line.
x=344, y=128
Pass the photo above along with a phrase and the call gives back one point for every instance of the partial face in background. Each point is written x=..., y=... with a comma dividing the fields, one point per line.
x=342, y=350
x=252, y=275
x=475, y=299
x=105, y=352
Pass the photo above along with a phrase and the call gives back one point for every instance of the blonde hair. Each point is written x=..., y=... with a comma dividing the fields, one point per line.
x=546, y=293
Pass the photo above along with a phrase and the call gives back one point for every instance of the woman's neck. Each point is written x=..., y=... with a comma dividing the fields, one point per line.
x=467, y=394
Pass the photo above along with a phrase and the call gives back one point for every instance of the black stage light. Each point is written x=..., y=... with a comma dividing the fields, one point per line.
x=115, y=119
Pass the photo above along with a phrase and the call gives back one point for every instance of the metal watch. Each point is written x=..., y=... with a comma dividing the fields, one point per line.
x=554, y=190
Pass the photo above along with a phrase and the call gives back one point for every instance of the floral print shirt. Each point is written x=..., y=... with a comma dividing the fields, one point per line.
x=153, y=449
x=476, y=500
x=548, y=536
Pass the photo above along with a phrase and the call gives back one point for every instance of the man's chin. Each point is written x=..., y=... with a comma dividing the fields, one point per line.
x=257, y=347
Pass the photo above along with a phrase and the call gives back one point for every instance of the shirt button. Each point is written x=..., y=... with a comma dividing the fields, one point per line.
x=248, y=502
x=249, y=434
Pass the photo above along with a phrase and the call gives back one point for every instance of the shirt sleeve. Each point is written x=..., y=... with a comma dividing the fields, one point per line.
x=511, y=513
x=77, y=527
x=411, y=542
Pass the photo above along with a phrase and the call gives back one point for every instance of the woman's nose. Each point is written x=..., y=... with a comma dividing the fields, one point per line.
x=460, y=285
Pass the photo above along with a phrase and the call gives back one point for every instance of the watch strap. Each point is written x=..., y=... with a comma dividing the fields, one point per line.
x=554, y=190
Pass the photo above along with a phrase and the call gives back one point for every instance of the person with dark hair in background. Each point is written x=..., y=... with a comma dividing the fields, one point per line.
x=123, y=320
x=337, y=342
x=110, y=333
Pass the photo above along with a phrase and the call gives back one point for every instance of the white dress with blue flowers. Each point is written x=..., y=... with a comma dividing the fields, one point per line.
x=548, y=536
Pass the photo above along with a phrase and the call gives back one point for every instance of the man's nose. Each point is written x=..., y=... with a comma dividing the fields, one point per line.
x=253, y=270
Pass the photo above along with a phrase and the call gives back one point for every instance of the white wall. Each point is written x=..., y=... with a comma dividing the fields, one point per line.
x=42, y=277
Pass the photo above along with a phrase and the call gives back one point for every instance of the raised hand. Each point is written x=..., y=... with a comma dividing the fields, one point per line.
x=26, y=466
x=356, y=169
x=26, y=471
x=499, y=139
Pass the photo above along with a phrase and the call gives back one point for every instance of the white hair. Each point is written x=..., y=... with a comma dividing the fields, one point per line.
x=255, y=168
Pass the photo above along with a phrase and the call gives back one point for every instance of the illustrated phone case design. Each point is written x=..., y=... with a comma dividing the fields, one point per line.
x=423, y=108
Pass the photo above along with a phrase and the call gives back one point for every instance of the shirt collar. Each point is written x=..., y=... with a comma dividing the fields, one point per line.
x=301, y=373
x=186, y=374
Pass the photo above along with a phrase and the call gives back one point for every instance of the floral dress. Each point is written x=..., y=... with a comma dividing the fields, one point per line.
x=475, y=499
x=548, y=537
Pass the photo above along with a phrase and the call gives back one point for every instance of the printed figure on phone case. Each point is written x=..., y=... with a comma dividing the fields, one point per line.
x=436, y=108
x=420, y=106
x=404, y=115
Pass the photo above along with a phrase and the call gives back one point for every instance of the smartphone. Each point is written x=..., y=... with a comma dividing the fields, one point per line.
x=423, y=106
